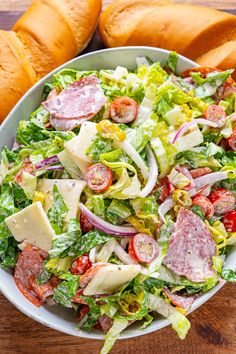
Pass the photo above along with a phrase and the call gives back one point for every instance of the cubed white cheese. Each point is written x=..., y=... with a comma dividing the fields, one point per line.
x=110, y=278
x=31, y=226
x=77, y=146
x=66, y=161
x=70, y=190
x=190, y=140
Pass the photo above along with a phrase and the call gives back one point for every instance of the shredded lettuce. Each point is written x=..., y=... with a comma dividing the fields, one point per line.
x=113, y=334
x=179, y=322
x=58, y=211
x=172, y=61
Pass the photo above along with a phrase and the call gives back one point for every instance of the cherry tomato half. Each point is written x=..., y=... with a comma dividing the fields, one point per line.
x=201, y=171
x=222, y=200
x=85, y=224
x=204, y=204
x=143, y=248
x=232, y=140
x=216, y=114
x=81, y=265
x=124, y=110
x=98, y=177
x=229, y=221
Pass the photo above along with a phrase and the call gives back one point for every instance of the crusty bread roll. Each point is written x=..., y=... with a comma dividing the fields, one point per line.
x=16, y=73
x=121, y=17
x=54, y=31
x=48, y=34
x=190, y=30
x=223, y=57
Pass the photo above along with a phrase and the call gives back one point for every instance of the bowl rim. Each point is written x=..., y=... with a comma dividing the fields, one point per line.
x=35, y=316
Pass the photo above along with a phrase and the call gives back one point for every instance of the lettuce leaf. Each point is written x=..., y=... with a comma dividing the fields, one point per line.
x=113, y=334
x=99, y=146
x=65, y=291
x=228, y=275
x=179, y=322
x=208, y=86
x=58, y=211
x=62, y=243
x=172, y=61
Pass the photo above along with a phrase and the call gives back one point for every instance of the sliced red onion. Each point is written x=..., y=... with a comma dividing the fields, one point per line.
x=122, y=255
x=132, y=153
x=49, y=161
x=165, y=207
x=210, y=178
x=188, y=125
x=153, y=173
x=55, y=168
x=105, y=226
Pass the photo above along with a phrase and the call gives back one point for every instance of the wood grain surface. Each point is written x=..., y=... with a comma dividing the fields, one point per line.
x=213, y=328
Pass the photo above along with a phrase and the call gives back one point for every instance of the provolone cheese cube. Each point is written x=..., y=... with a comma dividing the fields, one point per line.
x=110, y=278
x=70, y=189
x=31, y=226
x=77, y=146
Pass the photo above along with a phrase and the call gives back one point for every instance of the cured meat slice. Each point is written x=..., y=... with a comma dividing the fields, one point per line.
x=75, y=104
x=181, y=301
x=191, y=248
x=29, y=265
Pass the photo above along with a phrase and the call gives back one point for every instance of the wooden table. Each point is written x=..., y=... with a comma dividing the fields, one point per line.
x=213, y=325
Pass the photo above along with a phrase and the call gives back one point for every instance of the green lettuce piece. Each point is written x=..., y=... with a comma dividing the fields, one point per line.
x=168, y=95
x=58, y=211
x=228, y=275
x=218, y=262
x=126, y=186
x=29, y=185
x=172, y=61
x=119, y=208
x=99, y=146
x=143, y=135
x=179, y=322
x=88, y=241
x=153, y=74
x=8, y=245
x=44, y=275
x=65, y=291
x=90, y=319
x=62, y=243
x=98, y=206
x=196, y=159
x=64, y=78
x=59, y=265
x=113, y=334
x=209, y=85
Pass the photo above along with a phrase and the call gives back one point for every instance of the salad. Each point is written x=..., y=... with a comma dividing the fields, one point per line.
x=118, y=195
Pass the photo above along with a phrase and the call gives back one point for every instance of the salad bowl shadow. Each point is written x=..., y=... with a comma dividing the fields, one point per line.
x=54, y=316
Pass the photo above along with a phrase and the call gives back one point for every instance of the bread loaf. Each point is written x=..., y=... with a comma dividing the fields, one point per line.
x=223, y=57
x=121, y=17
x=190, y=30
x=16, y=73
x=48, y=34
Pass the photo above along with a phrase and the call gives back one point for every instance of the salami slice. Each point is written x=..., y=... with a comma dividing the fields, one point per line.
x=178, y=300
x=29, y=265
x=191, y=248
x=76, y=103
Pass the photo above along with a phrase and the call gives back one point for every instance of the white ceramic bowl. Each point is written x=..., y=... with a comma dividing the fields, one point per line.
x=55, y=316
